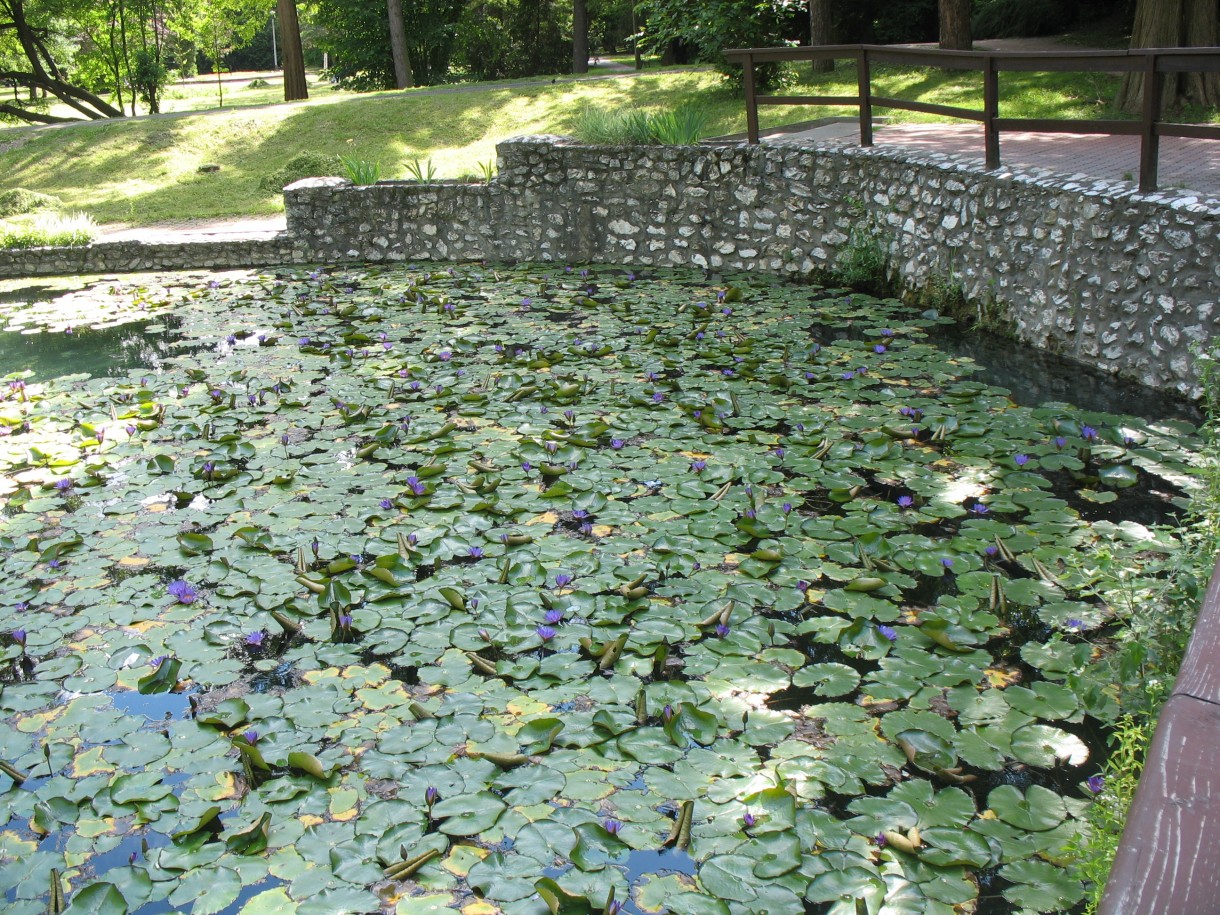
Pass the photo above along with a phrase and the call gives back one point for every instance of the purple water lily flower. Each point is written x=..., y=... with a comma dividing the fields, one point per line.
x=1060, y=441
x=431, y=796
x=1088, y=433
x=848, y=376
x=1020, y=459
x=617, y=443
x=979, y=508
x=562, y=580
x=888, y=632
x=722, y=630
x=786, y=508
x=1096, y=783
x=657, y=397
x=553, y=617
x=255, y=639
x=905, y=501
x=802, y=586
x=250, y=736
x=444, y=355
x=345, y=621
x=527, y=466
x=779, y=453
x=19, y=637
x=698, y=466
x=879, y=349
x=476, y=552
x=947, y=562
x=182, y=591
x=1075, y=625
x=749, y=821
x=386, y=504
x=416, y=485
x=991, y=549
x=546, y=633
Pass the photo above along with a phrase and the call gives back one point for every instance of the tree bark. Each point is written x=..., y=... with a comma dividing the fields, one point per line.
x=1174, y=24
x=580, y=36
x=295, y=88
x=403, y=77
x=955, y=25
x=819, y=32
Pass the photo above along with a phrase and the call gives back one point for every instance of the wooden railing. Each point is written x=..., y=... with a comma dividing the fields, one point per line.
x=1153, y=63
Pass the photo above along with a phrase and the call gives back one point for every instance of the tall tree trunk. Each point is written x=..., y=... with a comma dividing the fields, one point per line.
x=819, y=32
x=295, y=88
x=580, y=36
x=955, y=25
x=1174, y=24
x=403, y=77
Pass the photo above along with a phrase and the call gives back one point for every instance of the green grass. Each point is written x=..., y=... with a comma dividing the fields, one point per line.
x=146, y=171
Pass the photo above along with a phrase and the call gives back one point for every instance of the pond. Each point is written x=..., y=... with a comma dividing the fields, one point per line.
x=542, y=589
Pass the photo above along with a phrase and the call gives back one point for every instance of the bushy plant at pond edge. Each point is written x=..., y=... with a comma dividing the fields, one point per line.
x=48, y=230
x=18, y=201
x=359, y=171
x=681, y=126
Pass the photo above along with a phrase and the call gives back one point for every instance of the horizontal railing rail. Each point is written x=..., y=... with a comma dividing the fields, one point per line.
x=1153, y=63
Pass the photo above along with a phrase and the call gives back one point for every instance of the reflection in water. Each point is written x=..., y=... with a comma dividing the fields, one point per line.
x=94, y=351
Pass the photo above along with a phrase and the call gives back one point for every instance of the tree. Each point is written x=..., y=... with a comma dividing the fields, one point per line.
x=820, y=32
x=398, y=46
x=30, y=34
x=580, y=36
x=955, y=25
x=713, y=26
x=295, y=87
x=1174, y=24
x=356, y=35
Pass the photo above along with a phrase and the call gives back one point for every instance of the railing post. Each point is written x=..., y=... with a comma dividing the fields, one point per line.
x=864, y=82
x=991, y=111
x=751, y=101
x=1150, y=140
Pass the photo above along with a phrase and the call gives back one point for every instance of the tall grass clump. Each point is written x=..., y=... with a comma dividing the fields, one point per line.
x=611, y=126
x=48, y=230
x=680, y=126
x=361, y=171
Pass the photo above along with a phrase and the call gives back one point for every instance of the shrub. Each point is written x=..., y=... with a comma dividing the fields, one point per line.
x=47, y=230
x=19, y=201
x=302, y=165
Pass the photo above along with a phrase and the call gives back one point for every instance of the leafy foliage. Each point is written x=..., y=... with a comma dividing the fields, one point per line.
x=357, y=36
x=47, y=230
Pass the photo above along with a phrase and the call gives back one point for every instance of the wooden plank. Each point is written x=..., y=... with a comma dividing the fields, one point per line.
x=1169, y=860
x=1200, y=673
x=966, y=114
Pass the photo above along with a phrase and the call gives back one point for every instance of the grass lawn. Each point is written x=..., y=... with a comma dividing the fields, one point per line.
x=146, y=170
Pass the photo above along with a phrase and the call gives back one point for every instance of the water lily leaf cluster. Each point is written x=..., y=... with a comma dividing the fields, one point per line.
x=543, y=589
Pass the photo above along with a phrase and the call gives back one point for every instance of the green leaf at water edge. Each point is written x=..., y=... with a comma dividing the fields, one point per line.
x=161, y=679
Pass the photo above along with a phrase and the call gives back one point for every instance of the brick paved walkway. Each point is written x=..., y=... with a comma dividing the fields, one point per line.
x=1192, y=165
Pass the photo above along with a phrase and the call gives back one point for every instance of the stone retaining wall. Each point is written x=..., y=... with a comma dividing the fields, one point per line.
x=1090, y=269
x=139, y=256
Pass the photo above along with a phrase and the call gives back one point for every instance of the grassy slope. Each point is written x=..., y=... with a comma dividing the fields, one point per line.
x=145, y=170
